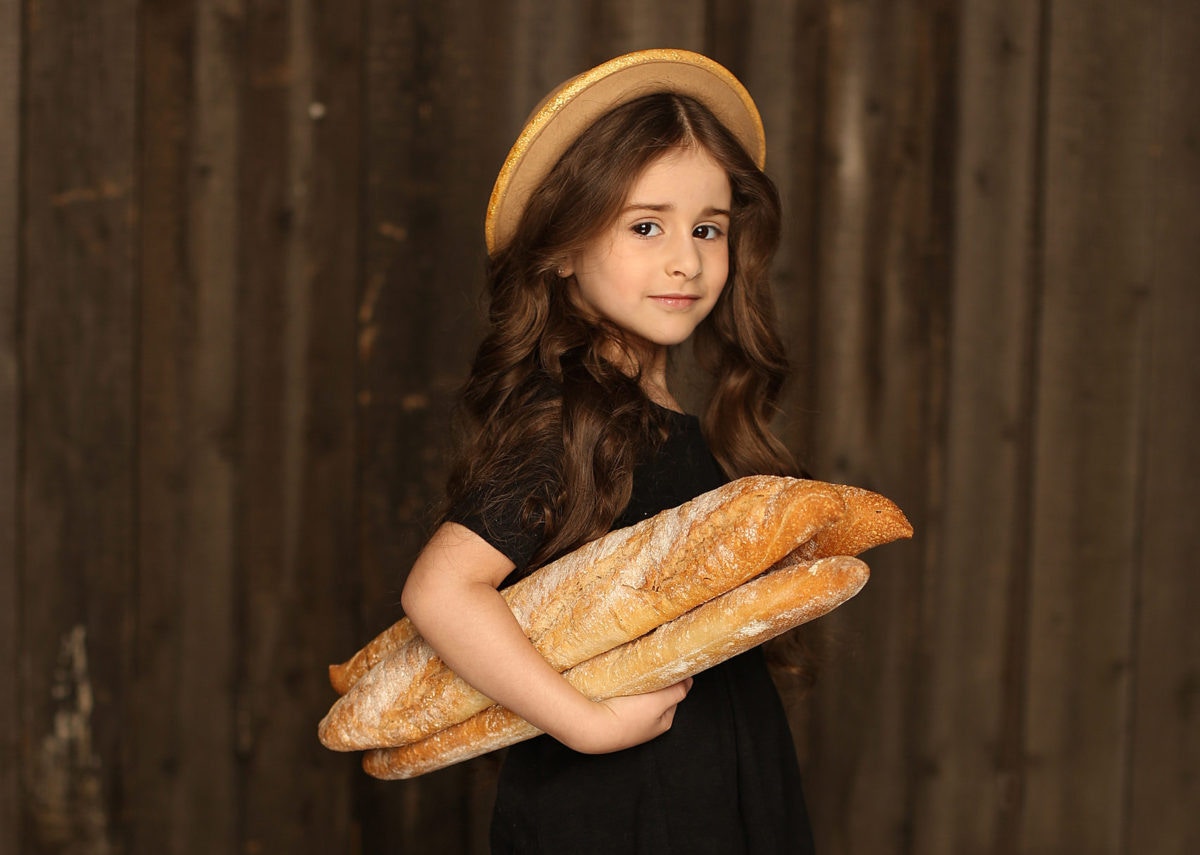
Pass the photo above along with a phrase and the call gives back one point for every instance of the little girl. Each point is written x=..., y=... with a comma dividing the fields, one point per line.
x=631, y=216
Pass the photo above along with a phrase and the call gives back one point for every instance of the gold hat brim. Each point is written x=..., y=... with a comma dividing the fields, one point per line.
x=576, y=104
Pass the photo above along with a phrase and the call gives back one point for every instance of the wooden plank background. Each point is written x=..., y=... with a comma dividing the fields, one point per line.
x=240, y=269
x=10, y=502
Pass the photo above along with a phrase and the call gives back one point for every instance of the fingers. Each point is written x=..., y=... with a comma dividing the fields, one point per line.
x=679, y=691
x=635, y=718
x=672, y=696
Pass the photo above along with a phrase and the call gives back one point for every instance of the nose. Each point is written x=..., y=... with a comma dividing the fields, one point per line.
x=684, y=259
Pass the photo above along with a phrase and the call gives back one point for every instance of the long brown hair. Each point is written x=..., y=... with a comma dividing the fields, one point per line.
x=546, y=417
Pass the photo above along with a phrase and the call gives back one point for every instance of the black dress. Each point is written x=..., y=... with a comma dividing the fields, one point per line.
x=723, y=779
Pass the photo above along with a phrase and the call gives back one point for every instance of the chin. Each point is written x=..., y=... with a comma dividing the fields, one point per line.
x=677, y=338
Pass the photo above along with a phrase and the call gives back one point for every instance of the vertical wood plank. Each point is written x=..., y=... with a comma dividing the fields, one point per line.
x=883, y=273
x=1099, y=261
x=331, y=274
x=205, y=809
x=185, y=766
x=968, y=787
x=79, y=317
x=165, y=363
x=296, y=342
x=10, y=417
x=1165, y=738
x=270, y=317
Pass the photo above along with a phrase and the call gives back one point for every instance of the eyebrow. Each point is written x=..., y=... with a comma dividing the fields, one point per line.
x=646, y=206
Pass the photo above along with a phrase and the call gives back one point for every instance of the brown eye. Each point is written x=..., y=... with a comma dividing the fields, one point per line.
x=646, y=229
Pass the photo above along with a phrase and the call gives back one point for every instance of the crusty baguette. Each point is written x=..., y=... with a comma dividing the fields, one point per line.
x=345, y=675
x=604, y=594
x=870, y=520
x=796, y=592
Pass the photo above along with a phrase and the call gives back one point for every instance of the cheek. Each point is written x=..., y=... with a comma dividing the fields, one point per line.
x=720, y=268
x=720, y=293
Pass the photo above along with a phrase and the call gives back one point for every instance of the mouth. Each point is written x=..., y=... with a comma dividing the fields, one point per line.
x=676, y=301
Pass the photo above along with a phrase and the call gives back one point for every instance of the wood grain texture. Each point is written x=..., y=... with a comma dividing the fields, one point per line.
x=185, y=764
x=297, y=264
x=1093, y=340
x=880, y=316
x=968, y=789
x=11, y=35
x=169, y=347
x=330, y=275
x=1163, y=743
x=205, y=805
x=79, y=321
x=273, y=322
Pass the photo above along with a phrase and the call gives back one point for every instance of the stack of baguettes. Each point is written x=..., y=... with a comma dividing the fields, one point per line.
x=636, y=610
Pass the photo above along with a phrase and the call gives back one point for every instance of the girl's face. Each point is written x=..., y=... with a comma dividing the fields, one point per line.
x=658, y=270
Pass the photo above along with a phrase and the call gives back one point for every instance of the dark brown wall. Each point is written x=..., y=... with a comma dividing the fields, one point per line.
x=240, y=257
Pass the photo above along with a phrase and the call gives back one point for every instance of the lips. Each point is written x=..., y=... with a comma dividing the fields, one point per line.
x=676, y=302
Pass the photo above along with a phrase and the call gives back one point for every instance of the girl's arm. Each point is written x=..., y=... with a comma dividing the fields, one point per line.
x=452, y=599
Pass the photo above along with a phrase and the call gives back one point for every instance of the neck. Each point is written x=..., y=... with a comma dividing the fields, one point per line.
x=654, y=380
x=649, y=362
x=661, y=396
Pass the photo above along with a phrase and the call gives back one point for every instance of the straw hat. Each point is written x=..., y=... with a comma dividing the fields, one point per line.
x=576, y=104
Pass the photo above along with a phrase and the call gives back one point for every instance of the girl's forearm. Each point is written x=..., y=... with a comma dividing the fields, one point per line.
x=472, y=629
x=451, y=597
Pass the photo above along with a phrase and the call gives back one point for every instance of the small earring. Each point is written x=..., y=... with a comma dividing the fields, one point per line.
x=562, y=274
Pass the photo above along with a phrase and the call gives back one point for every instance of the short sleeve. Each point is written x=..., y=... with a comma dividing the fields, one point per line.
x=508, y=510
x=507, y=524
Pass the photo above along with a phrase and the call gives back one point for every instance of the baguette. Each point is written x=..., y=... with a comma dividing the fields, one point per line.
x=869, y=520
x=346, y=674
x=796, y=592
x=604, y=594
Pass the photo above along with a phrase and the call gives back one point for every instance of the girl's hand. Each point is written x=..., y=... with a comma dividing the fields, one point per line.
x=627, y=721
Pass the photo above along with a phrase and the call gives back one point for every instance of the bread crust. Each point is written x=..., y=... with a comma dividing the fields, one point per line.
x=344, y=675
x=869, y=520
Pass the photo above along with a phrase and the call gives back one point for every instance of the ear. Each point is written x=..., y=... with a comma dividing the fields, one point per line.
x=565, y=270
